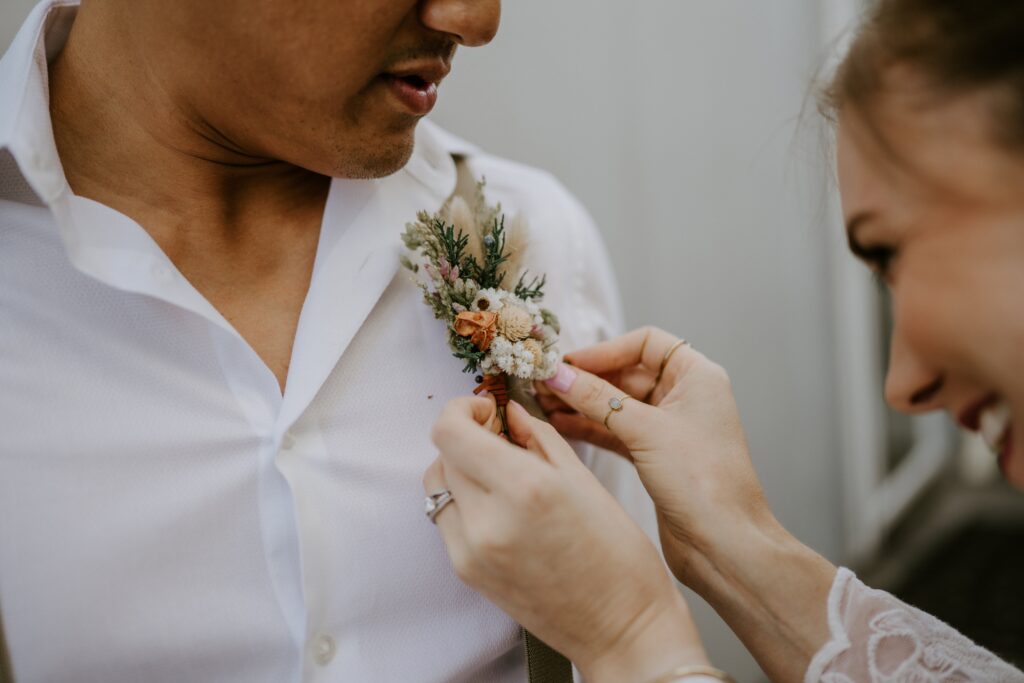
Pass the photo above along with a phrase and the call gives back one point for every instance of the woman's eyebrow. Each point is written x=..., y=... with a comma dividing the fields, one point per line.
x=853, y=226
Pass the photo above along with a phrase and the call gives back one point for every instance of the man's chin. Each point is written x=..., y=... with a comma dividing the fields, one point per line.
x=376, y=157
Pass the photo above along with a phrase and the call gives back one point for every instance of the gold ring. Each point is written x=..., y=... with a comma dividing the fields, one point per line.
x=616, y=405
x=664, y=364
x=668, y=355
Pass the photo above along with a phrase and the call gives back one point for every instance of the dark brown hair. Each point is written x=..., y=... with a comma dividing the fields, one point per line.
x=955, y=47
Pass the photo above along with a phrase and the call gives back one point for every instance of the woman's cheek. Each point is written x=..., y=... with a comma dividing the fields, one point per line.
x=931, y=326
x=1013, y=465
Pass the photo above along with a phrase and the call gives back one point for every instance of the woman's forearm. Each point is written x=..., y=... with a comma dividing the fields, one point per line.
x=655, y=643
x=770, y=589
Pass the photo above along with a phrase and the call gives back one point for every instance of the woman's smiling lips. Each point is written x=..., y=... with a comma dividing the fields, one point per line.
x=970, y=417
x=991, y=416
x=1007, y=450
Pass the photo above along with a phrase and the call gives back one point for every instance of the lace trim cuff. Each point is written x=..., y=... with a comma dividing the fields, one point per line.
x=838, y=642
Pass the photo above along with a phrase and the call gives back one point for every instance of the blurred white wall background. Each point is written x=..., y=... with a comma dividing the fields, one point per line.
x=676, y=122
x=12, y=13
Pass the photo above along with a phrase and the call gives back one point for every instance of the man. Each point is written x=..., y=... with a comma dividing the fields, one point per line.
x=215, y=391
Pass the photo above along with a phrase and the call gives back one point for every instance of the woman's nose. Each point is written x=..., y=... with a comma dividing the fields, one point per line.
x=911, y=386
x=470, y=22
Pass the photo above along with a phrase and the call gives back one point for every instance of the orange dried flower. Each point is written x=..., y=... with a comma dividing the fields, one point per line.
x=479, y=326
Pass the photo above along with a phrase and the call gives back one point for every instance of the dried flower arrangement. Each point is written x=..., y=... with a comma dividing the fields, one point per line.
x=461, y=258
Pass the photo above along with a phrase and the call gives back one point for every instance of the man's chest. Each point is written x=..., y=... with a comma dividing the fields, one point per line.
x=140, y=467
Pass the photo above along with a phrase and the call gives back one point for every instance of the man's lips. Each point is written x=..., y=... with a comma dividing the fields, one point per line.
x=415, y=84
x=428, y=71
x=418, y=97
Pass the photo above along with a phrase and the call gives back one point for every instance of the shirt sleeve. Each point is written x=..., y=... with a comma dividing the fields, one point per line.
x=876, y=637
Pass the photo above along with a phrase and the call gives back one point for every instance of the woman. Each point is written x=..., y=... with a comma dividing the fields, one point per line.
x=929, y=106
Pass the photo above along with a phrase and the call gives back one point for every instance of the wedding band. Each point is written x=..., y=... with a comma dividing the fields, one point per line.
x=664, y=364
x=668, y=355
x=435, y=502
x=616, y=405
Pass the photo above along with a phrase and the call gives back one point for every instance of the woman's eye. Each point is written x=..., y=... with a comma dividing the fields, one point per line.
x=880, y=260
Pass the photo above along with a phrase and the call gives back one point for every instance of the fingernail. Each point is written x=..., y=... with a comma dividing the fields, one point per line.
x=484, y=394
x=517, y=407
x=563, y=380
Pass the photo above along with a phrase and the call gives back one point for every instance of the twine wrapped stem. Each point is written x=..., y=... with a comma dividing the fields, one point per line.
x=497, y=386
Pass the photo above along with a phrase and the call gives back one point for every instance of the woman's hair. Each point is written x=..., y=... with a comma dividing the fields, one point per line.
x=952, y=47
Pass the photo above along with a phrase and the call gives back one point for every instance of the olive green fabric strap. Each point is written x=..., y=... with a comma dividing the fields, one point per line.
x=543, y=665
x=6, y=673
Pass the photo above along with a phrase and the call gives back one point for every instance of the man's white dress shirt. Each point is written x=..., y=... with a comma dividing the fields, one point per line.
x=166, y=515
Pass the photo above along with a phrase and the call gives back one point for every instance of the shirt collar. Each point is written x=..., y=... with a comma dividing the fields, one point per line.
x=27, y=148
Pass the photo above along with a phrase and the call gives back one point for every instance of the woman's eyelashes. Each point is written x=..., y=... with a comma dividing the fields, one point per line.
x=880, y=260
x=878, y=257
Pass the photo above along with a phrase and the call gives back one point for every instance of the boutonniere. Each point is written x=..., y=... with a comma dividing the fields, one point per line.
x=464, y=259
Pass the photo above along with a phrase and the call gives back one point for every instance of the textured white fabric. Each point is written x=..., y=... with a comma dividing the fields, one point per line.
x=875, y=637
x=166, y=515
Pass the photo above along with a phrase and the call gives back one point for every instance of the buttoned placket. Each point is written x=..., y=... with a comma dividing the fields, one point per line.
x=354, y=266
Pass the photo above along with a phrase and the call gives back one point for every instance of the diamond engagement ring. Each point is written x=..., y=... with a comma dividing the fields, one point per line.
x=616, y=405
x=435, y=502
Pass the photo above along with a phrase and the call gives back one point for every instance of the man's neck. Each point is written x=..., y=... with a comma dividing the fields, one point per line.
x=129, y=137
x=242, y=229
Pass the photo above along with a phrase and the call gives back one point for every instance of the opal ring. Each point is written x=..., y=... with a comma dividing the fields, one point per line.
x=616, y=405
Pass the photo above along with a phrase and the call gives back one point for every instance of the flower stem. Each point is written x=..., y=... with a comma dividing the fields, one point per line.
x=503, y=416
x=497, y=386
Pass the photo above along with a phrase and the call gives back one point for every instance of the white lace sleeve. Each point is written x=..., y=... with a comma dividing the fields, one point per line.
x=875, y=637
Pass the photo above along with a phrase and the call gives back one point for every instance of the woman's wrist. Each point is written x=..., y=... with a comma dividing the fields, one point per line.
x=659, y=640
x=770, y=588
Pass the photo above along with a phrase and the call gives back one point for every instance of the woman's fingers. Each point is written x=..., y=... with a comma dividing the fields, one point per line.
x=646, y=346
x=602, y=402
x=550, y=403
x=538, y=436
x=448, y=519
x=636, y=381
x=582, y=428
x=462, y=434
x=520, y=429
x=433, y=478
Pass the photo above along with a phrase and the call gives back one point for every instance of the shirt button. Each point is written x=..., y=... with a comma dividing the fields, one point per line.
x=288, y=441
x=162, y=273
x=324, y=649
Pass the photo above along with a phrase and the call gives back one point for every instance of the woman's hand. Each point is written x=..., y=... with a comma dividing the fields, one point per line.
x=535, y=532
x=717, y=530
x=688, y=443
